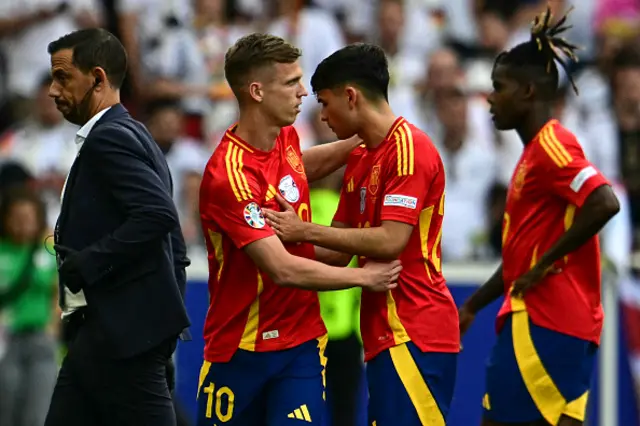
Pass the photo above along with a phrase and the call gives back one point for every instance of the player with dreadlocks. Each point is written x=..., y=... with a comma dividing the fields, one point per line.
x=550, y=322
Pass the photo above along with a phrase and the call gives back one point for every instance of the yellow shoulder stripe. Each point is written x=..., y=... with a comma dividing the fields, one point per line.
x=404, y=148
x=237, y=179
x=239, y=142
x=554, y=149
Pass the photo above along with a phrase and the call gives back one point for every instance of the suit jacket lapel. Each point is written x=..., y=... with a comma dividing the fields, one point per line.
x=64, y=207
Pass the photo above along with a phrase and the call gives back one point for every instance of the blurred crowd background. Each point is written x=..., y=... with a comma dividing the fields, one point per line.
x=440, y=55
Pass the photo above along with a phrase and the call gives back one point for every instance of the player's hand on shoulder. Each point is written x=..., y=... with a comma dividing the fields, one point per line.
x=286, y=224
x=382, y=276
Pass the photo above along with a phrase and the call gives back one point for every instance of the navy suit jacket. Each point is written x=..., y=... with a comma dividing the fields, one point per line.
x=118, y=213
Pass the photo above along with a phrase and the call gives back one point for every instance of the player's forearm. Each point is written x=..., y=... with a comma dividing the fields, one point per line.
x=489, y=292
x=597, y=210
x=332, y=257
x=375, y=242
x=310, y=275
x=322, y=160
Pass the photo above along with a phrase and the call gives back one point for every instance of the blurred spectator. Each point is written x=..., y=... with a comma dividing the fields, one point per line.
x=217, y=27
x=405, y=67
x=12, y=174
x=44, y=144
x=164, y=59
x=470, y=164
x=26, y=28
x=186, y=159
x=28, y=293
x=444, y=71
x=627, y=109
x=317, y=33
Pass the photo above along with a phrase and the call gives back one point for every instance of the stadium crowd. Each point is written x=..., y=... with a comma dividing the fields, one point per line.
x=440, y=55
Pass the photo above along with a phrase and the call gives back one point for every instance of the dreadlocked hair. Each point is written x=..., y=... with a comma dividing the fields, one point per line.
x=544, y=48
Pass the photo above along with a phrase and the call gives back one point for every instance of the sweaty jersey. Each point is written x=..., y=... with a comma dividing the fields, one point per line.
x=402, y=180
x=247, y=310
x=549, y=185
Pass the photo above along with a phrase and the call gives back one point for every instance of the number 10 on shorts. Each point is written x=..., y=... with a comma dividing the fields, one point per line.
x=222, y=393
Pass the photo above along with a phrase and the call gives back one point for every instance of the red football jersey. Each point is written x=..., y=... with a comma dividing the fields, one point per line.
x=402, y=180
x=247, y=310
x=549, y=185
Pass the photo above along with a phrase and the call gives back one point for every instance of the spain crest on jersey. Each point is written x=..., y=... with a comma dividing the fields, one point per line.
x=294, y=160
x=519, y=179
x=374, y=179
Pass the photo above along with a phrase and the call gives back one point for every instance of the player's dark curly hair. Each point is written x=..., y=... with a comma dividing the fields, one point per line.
x=362, y=64
x=536, y=58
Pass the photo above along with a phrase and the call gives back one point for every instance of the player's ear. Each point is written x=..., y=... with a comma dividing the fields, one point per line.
x=256, y=91
x=352, y=96
x=529, y=91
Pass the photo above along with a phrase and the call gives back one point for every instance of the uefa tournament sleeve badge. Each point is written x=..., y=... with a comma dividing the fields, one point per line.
x=253, y=216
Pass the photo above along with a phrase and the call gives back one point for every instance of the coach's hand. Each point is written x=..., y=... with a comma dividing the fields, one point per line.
x=383, y=276
x=69, y=268
x=531, y=278
x=286, y=224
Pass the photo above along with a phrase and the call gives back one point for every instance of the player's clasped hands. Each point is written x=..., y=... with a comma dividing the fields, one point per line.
x=286, y=224
x=384, y=275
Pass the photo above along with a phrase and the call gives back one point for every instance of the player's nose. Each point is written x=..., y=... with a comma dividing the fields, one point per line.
x=490, y=98
x=303, y=91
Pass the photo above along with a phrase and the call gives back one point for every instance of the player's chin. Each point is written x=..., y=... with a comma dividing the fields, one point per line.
x=501, y=124
x=288, y=121
x=342, y=134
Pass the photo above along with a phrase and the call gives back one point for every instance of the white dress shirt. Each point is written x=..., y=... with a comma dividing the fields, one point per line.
x=75, y=301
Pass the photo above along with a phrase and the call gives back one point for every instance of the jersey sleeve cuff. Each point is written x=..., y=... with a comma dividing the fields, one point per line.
x=589, y=186
x=397, y=217
x=243, y=242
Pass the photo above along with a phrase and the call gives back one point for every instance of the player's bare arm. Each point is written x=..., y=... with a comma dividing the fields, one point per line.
x=386, y=241
x=486, y=294
x=288, y=270
x=332, y=257
x=322, y=160
x=599, y=207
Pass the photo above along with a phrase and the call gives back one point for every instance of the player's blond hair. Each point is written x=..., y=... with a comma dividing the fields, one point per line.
x=253, y=52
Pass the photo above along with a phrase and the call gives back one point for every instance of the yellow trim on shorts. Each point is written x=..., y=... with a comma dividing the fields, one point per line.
x=425, y=404
x=577, y=408
x=204, y=372
x=544, y=392
x=322, y=346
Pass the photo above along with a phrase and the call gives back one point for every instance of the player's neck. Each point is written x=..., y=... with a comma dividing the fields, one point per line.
x=257, y=131
x=538, y=118
x=377, y=123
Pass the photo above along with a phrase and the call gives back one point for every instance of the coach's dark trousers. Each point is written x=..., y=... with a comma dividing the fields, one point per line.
x=94, y=389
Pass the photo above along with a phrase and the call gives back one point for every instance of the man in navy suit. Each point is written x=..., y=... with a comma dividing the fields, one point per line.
x=121, y=255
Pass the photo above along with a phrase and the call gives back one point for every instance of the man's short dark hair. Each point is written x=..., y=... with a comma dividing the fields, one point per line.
x=95, y=47
x=253, y=52
x=361, y=64
x=161, y=104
